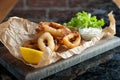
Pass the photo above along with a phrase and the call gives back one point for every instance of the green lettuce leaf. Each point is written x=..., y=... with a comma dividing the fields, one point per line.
x=85, y=20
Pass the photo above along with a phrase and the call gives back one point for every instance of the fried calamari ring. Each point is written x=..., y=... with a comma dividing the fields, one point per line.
x=72, y=40
x=57, y=44
x=46, y=40
x=31, y=44
x=57, y=30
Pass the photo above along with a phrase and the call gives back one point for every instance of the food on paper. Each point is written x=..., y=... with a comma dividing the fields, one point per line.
x=31, y=44
x=57, y=30
x=72, y=40
x=84, y=22
x=17, y=32
x=52, y=35
x=46, y=40
x=31, y=56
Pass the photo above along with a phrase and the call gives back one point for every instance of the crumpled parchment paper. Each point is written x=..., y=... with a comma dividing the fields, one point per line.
x=16, y=30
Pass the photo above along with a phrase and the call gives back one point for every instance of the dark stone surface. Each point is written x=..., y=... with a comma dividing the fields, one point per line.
x=5, y=75
x=22, y=71
x=74, y=71
x=108, y=70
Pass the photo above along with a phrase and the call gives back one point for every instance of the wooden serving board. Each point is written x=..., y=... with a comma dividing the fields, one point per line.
x=24, y=72
x=5, y=7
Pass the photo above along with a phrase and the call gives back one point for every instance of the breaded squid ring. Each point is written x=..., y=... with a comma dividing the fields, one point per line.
x=72, y=40
x=57, y=30
x=31, y=44
x=46, y=40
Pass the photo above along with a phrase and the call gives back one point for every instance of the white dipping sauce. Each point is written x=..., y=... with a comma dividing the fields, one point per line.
x=89, y=33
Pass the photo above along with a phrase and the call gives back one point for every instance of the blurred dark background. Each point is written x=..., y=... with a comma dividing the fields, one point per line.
x=63, y=10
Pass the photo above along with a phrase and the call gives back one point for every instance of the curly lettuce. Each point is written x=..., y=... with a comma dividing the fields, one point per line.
x=85, y=20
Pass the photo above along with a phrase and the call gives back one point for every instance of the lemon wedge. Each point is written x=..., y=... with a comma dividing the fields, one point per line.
x=31, y=56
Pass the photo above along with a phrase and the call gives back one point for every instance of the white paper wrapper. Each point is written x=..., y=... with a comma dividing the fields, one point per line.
x=15, y=31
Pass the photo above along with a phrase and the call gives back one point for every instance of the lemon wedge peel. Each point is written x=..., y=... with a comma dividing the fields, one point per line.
x=31, y=56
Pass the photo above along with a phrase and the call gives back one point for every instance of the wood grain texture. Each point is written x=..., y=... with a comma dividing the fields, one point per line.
x=25, y=72
x=5, y=7
x=117, y=2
